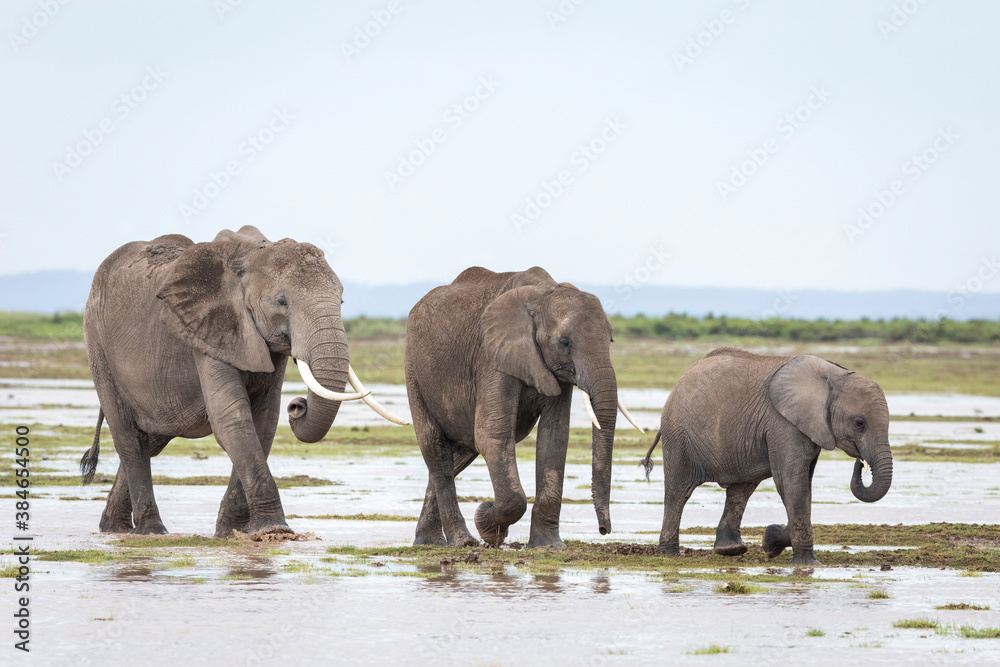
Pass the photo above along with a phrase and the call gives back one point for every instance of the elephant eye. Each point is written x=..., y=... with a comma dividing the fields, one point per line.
x=860, y=423
x=564, y=343
x=282, y=301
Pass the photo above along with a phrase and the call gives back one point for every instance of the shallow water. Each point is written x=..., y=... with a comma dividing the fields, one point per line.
x=243, y=606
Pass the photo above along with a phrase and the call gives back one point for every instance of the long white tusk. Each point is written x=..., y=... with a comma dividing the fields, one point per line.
x=372, y=403
x=627, y=416
x=319, y=389
x=590, y=409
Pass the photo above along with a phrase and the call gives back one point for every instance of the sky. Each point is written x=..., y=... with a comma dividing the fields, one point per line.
x=775, y=145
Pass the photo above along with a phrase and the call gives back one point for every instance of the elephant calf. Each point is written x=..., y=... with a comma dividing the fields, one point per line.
x=737, y=418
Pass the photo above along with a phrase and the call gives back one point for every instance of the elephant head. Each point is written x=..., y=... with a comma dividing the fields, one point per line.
x=835, y=407
x=242, y=298
x=552, y=335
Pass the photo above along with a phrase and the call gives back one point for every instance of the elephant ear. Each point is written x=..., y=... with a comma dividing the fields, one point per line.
x=801, y=391
x=508, y=330
x=204, y=307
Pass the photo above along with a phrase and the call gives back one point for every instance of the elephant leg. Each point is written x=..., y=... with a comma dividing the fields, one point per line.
x=429, y=527
x=439, y=456
x=728, y=541
x=550, y=467
x=229, y=411
x=265, y=404
x=117, y=515
x=795, y=488
x=495, y=426
x=678, y=485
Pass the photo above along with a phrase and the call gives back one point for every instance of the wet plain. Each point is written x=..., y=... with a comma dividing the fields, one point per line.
x=914, y=577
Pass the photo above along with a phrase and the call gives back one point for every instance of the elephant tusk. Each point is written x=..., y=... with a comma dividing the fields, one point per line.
x=627, y=416
x=319, y=389
x=590, y=409
x=866, y=466
x=372, y=403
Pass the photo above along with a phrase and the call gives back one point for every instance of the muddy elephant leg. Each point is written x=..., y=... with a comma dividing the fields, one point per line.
x=117, y=514
x=728, y=541
x=550, y=467
x=429, y=527
x=495, y=425
x=678, y=485
x=794, y=485
x=265, y=404
x=439, y=456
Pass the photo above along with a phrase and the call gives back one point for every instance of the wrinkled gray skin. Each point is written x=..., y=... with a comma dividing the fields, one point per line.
x=189, y=339
x=737, y=418
x=487, y=357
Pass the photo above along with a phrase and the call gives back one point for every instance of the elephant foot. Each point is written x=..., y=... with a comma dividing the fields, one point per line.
x=493, y=533
x=264, y=525
x=729, y=543
x=668, y=549
x=150, y=527
x=549, y=541
x=225, y=528
x=776, y=539
x=804, y=557
x=435, y=540
x=115, y=525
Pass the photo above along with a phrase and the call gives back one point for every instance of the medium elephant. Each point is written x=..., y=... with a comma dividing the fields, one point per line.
x=737, y=418
x=188, y=339
x=487, y=357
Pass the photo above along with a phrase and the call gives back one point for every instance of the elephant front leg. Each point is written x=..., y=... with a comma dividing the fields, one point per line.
x=229, y=411
x=234, y=512
x=728, y=541
x=550, y=467
x=795, y=489
x=495, y=424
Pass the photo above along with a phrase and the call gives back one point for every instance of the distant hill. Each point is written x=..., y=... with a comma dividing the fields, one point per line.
x=60, y=291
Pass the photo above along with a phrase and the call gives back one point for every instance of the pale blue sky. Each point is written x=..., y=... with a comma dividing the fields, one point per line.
x=878, y=99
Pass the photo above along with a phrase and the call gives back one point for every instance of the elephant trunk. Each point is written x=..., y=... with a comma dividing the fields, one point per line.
x=322, y=343
x=881, y=465
x=602, y=386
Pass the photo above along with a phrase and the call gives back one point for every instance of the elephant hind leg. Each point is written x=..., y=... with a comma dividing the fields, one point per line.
x=117, y=514
x=679, y=482
x=728, y=541
x=429, y=527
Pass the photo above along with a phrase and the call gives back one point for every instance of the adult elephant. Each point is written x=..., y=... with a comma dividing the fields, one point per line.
x=737, y=418
x=188, y=339
x=487, y=357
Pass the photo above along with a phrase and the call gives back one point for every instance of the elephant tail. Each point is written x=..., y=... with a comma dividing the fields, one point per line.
x=88, y=464
x=647, y=463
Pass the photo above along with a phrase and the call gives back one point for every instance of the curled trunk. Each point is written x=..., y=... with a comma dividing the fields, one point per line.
x=324, y=348
x=881, y=465
x=603, y=389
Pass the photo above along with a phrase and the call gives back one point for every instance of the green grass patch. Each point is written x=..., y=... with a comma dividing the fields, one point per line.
x=963, y=606
x=916, y=624
x=900, y=535
x=815, y=632
x=878, y=595
x=158, y=541
x=711, y=649
x=738, y=588
x=980, y=633
x=94, y=556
